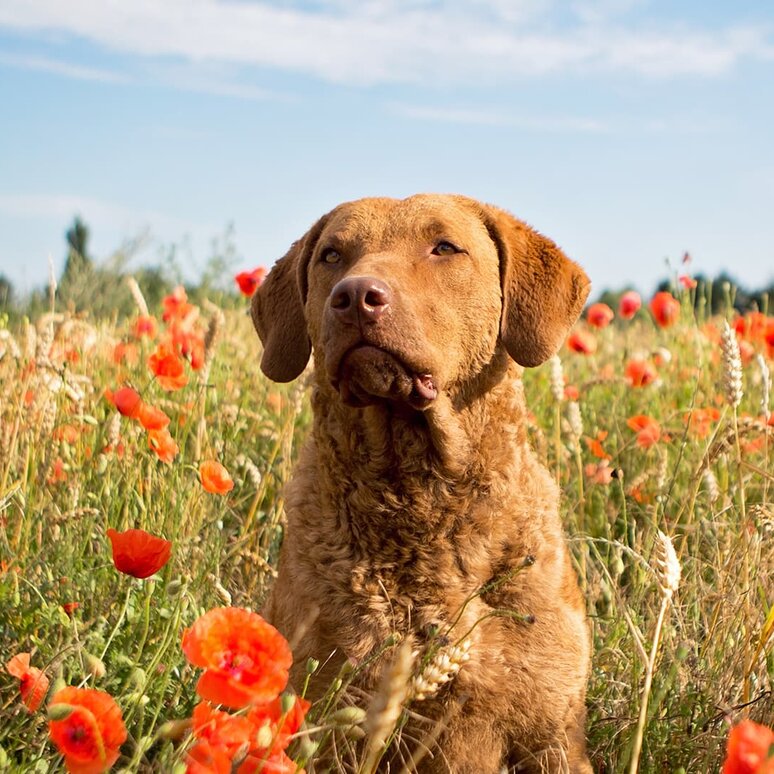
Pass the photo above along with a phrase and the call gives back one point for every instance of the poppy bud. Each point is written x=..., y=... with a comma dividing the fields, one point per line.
x=60, y=711
x=138, y=678
x=94, y=666
x=287, y=700
x=348, y=716
x=174, y=730
x=264, y=736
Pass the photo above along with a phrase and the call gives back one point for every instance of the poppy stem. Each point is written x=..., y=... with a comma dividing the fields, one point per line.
x=119, y=621
x=146, y=623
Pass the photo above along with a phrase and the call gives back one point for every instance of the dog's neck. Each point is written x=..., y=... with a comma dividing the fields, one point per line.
x=406, y=449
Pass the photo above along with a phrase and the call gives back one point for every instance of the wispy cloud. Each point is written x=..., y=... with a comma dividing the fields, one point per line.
x=375, y=41
x=104, y=215
x=58, y=67
x=212, y=78
x=480, y=117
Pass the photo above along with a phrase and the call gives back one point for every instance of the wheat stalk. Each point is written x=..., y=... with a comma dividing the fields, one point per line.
x=667, y=568
x=557, y=378
x=731, y=379
x=137, y=295
x=387, y=705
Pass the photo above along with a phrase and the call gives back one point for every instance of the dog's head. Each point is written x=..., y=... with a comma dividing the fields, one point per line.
x=401, y=299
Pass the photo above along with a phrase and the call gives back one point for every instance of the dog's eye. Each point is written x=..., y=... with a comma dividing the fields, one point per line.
x=445, y=248
x=329, y=255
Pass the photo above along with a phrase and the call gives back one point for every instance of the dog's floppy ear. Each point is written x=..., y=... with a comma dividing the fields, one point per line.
x=278, y=311
x=543, y=290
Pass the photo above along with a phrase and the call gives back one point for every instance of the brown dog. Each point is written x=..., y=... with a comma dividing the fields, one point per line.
x=417, y=506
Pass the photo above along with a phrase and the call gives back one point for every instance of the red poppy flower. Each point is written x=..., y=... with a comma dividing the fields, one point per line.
x=250, y=281
x=282, y=724
x=144, y=325
x=665, y=309
x=629, y=304
x=746, y=351
x=264, y=732
x=599, y=472
x=748, y=749
x=595, y=445
x=125, y=353
x=138, y=553
x=246, y=660
x=750, y=326
x=277, y=763
x=126, y=400
x=699, y=420
x=168, y=368
x=599, y=315
x=33, y=681
x=648, y=430
x=67, y=433
x=689, y=283
x=204, y=758
x=640, y=373
x=215, y=478
x=58, y=473
x=90, y=730
x=193, y=349
x=176, y=306
x=582, y=342
x=221, y=729
x=571, y=392
x=152, y=418
x=70, y=608
x=162, y=442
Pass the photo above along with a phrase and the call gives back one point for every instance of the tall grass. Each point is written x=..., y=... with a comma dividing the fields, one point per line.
x=705, y=483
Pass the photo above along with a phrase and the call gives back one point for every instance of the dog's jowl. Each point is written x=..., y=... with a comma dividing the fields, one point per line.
x=417, y=512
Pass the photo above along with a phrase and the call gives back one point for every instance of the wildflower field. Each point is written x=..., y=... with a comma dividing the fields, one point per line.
x=142, y=465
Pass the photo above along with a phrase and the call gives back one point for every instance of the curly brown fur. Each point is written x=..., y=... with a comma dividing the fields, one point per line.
x=417, y=505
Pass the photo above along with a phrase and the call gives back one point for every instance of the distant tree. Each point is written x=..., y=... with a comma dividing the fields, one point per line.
x=6, y=293
x=78, y=259
x=76, y=285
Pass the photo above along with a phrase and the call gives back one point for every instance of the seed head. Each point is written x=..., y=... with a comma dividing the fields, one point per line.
x=666, y=564
x=574, y=419
x=731, y=380
x=441, y=668
x=557, y=379
x=765, y=385
x=711, y=485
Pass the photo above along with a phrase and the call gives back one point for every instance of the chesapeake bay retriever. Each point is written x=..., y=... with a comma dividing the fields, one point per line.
x=417, y=506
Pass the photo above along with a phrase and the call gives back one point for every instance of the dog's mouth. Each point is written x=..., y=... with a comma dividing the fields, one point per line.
x=368, y=374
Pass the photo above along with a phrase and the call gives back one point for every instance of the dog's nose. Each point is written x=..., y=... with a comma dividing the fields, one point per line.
x=364, y=298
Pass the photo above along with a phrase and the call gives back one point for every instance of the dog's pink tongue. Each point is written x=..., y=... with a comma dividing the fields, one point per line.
x=425, y=387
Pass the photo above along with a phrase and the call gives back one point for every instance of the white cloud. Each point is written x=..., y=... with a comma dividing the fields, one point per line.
x=493, y=118
x=66, y=69
x=211, y=78
x=376, y=41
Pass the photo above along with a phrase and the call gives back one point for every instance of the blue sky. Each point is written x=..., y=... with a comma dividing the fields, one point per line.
x=629, y=131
